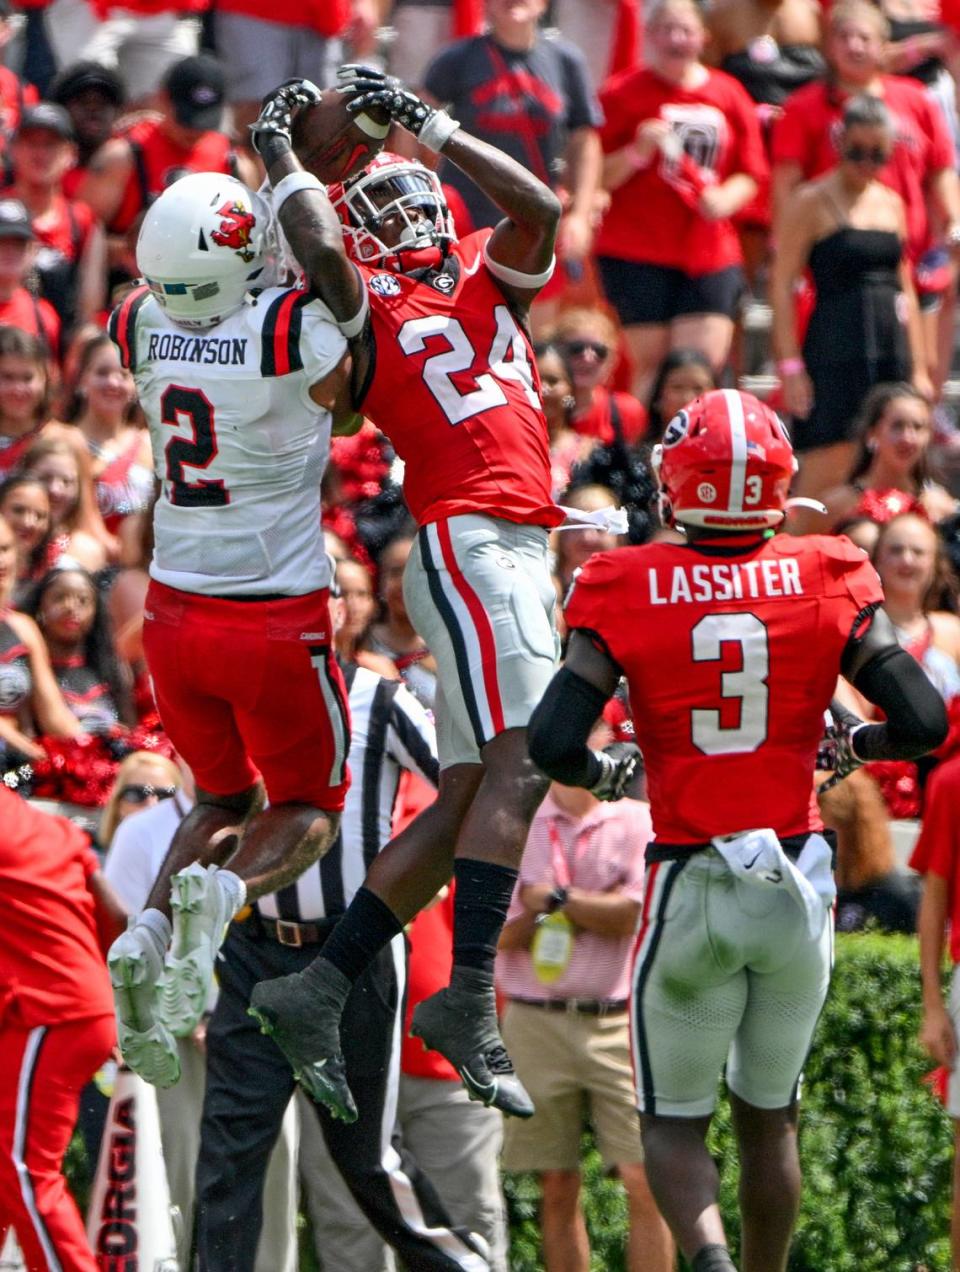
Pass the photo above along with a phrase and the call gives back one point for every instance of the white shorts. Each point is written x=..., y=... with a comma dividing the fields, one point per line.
x=725, y=974
x=262, y=54
x=421, y=32
x=479, y=592
x=142, y=48
x=953, y=1086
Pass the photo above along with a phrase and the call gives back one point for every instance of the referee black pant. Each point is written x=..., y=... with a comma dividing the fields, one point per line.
x=249, y=1084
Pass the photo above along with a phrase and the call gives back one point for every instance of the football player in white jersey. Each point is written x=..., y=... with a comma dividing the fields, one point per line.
x=238, y=388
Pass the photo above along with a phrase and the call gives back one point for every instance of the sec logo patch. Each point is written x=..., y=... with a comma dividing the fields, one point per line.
x=385, y=285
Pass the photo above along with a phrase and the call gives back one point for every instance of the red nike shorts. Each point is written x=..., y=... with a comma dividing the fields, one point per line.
x=251, y=688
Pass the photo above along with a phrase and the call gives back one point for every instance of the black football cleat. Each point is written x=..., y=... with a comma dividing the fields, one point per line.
x=305, y=1026
x=462, y=1026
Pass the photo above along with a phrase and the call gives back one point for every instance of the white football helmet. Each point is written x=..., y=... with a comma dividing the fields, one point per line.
x=201, y=247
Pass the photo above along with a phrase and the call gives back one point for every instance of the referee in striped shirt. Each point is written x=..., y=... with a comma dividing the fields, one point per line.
x=249, y=1080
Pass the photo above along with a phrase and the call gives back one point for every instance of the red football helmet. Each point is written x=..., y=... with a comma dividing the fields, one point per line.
x=407, y=192
x=725, y=461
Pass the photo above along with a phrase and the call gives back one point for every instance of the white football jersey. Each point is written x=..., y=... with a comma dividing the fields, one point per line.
x=238, y=444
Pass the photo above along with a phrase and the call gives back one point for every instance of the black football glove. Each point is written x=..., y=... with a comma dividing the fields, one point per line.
x=279, y=108
x=835, y=752
x=366, y=86
x=620, y=762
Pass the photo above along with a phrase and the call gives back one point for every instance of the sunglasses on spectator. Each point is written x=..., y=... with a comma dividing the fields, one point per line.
x=577, y=348
x=139, y=794
x=867, y=154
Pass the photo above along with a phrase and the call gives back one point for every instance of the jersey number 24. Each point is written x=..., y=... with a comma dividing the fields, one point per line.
x=507, y=360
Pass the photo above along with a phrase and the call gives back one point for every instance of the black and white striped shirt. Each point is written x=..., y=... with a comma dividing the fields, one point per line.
x=390, y=731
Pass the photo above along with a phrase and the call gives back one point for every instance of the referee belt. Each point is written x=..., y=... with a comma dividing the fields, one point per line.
x=285, y=931
x=577, y=1006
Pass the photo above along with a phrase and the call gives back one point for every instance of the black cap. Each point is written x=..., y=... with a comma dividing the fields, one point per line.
x=49, y=117
x=14, y=220
x=76, y=79
x=196, y=88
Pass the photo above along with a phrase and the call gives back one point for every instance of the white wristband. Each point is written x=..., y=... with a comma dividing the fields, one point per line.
x=437, y=131
x=353, y=326
x=293, y=183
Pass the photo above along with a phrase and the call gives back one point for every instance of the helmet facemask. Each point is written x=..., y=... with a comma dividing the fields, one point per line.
x=409, y=193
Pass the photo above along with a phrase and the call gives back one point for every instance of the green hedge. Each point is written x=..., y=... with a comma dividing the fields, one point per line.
x=876, y=1146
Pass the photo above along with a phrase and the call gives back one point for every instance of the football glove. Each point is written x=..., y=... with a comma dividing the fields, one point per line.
x=367, y=86
x=619, y=763
x=836, y=752
x=277, y=110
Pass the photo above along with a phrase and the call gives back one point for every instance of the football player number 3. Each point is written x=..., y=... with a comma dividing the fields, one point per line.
x=748, y=686
x=180, y=406
x=448, y=373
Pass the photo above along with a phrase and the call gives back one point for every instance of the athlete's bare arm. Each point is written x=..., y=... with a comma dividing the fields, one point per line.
x=333, y=393
x=524, y=241
x=106, y=178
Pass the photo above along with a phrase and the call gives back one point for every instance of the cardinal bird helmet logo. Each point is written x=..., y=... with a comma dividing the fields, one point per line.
x=236, y=226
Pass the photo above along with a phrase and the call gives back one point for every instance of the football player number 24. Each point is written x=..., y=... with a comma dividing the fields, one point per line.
x=506, y=360
x=748, y=685
x=179, y=406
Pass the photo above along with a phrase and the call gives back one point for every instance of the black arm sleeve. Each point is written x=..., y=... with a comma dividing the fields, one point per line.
x=916, y=717
x=560, y=726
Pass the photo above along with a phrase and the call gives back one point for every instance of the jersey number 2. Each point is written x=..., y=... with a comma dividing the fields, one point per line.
x=176, y=405
x=507, y=360
x=748, y=686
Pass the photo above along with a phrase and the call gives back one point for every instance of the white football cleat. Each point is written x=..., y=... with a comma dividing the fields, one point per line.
x=146, y=1045
x=201, y=912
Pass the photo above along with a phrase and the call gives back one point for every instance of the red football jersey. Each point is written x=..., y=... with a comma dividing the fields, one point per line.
x=731, y=659
x=455, y=388
x=808, y=134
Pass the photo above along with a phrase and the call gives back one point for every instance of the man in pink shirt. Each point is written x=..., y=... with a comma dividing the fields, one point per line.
x=566, y=1024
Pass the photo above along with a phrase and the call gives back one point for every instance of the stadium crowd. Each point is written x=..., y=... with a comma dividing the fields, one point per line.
x=791, y=163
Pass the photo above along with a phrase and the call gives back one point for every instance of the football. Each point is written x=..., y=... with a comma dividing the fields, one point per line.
x=332, y=143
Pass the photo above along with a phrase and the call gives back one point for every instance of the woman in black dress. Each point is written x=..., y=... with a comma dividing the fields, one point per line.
x=848, y=229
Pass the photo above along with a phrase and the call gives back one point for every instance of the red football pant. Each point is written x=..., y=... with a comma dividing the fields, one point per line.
x=251, y=687
x=44, y=1072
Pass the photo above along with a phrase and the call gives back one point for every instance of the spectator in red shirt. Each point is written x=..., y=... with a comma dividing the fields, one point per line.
x=93, y=97
x=19, y=307
x=71, y=256
x=683, y=155
x=135, y=167
x=56, y=1021
x=15, y=95
x=937, y=857
x=589, y=339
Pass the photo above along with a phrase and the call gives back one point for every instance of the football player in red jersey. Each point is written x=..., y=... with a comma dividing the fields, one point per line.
x=443, y=364
x=731, y=644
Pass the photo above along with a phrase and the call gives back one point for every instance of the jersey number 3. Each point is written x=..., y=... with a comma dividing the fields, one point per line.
x=507, y=360
x=176, y=406
x=748, y=686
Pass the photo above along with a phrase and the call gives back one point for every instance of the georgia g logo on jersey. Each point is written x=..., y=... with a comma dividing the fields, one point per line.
x=236, y=226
